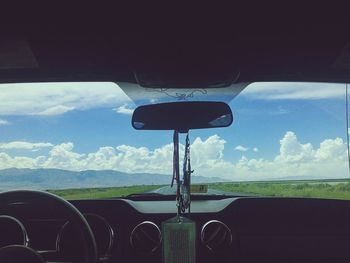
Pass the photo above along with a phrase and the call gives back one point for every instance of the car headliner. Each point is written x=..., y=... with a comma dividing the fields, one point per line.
x=257, y=45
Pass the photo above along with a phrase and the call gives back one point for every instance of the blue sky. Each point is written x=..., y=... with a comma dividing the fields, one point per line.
x=81, y=126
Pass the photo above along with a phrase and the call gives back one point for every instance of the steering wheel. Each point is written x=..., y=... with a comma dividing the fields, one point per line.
x=73, y=215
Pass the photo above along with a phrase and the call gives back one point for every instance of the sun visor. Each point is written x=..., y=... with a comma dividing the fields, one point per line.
x=187, y=64
x=192, y=78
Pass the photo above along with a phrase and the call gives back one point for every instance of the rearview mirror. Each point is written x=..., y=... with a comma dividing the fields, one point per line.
x=182, y=116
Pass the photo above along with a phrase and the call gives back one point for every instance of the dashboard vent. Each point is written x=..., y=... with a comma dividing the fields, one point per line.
x=146, y=237
x=216, y=236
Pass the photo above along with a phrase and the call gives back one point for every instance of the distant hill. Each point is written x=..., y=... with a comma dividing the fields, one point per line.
x=61, y=179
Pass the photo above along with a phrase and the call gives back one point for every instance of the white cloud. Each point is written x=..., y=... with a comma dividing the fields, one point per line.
x=124, y=109
x=294, y=90
x=291, y=150
x=255, y=149
x=58, y=98
x=62, y=156
x=7, y=161
x=21, y=145
x=241, y=148
x=212, y=148
x=277, y=111
x=55, y=110
x=4, y=122
x=153, y=101
x=327, y=160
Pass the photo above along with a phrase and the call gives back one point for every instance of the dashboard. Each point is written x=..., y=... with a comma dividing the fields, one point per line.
x=248, y=229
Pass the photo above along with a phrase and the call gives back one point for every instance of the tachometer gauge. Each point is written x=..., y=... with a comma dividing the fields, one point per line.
x=68, y=237
x=12, y=232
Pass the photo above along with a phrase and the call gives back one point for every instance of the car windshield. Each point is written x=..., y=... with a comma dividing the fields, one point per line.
x=76, y=140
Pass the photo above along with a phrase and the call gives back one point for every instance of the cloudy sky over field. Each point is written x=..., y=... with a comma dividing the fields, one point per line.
x=280, y=130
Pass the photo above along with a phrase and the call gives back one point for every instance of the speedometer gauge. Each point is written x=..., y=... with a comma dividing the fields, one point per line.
x=103, y=233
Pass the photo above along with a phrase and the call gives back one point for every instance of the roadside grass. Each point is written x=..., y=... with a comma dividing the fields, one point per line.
x=100, y=193
x=312, y=189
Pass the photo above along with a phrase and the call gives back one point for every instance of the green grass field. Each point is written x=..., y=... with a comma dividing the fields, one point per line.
x=335, y=189
x=98, y=193
x=314, y=189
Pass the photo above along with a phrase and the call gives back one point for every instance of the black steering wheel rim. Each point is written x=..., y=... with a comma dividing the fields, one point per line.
x=73, y=214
